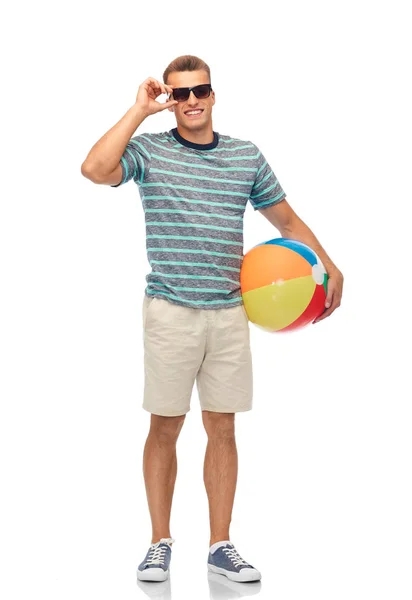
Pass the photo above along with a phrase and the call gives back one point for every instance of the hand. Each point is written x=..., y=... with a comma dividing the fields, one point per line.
x=334, y=295
x=148, y=91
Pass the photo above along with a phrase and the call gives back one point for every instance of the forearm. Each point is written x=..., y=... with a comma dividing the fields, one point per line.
x=298, y=230
x=105, y=155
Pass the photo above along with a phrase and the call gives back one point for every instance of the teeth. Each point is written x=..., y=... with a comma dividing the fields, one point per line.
x=194, y=112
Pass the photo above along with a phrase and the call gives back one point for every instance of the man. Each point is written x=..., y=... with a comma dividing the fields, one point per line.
x=194, y=184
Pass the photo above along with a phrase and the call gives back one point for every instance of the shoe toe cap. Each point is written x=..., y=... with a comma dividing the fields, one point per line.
x=249, y=574
x=152, y=574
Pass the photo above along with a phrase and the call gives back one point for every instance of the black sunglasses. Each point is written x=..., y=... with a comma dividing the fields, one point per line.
x=200, y=91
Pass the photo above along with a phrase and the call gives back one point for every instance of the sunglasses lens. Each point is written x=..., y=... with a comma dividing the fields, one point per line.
x=202, y=91
x=181, y=94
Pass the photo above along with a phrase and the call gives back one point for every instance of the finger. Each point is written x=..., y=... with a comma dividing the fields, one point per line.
x=167, y=104
x=152, y=82
x=326, y=313
x=155, y=85
x=162, y=87
x=329, y=297
x=329, y=300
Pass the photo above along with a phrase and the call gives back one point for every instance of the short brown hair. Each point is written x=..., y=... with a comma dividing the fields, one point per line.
x=187, y=62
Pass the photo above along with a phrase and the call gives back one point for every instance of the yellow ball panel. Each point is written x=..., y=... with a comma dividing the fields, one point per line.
x=278, y=305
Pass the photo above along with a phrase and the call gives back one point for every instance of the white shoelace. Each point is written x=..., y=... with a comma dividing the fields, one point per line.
x=235, y=557
x=156, y=554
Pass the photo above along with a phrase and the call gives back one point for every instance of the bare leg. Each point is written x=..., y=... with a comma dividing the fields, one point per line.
x=220, y=471
x=159, y=470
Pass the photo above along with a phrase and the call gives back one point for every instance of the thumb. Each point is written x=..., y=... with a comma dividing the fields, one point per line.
x=169, y=103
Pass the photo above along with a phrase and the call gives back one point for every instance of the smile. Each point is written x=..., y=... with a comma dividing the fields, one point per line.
x=193, y=113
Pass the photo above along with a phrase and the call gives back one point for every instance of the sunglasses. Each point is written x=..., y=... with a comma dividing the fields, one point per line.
x=200, y=91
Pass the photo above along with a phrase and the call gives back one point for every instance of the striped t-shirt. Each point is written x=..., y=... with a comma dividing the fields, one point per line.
x=194, y=197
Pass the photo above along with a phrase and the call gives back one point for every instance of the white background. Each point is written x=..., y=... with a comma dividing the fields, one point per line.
x=324, y=491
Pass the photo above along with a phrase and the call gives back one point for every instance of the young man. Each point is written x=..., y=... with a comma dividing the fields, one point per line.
x=194, y=184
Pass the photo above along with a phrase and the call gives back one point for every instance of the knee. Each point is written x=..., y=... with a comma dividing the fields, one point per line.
x=219, y=425
x=166, y=429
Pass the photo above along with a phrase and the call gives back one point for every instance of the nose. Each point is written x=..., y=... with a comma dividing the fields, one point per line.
x=192, y=98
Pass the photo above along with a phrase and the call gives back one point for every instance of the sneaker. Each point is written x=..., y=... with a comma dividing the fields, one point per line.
x=155, y=566
x=225, y=560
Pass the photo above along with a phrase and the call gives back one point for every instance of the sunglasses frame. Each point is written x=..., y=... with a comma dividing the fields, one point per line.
x=190, y=90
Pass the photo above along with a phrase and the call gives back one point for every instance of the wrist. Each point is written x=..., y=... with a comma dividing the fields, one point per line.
x=139, y=111
x=333, y=271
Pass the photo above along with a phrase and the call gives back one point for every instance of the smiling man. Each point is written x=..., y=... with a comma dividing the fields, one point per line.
x=194, y=184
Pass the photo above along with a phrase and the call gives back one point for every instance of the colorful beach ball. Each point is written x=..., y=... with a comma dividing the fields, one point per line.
x=283, y=284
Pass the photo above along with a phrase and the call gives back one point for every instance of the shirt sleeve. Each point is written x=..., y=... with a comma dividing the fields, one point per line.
x=266, y=189
x=135, y=160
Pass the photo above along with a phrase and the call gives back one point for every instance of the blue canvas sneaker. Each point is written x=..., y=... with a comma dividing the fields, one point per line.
x=225, y=560
x=155, y=566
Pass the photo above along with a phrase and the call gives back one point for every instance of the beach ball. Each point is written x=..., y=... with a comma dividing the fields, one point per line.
x=283, y=284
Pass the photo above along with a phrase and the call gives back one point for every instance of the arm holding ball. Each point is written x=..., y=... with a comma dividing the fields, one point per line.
x=291, y=226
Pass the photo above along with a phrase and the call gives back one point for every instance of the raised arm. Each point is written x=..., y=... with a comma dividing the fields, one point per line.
x=102, y=164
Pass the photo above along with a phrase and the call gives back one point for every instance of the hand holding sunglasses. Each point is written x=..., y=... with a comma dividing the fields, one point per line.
x=148, y=91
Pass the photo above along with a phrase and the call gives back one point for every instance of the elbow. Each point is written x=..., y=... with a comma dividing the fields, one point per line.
x=88, y=172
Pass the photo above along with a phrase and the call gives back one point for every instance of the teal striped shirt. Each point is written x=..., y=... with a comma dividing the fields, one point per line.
x=194, y=197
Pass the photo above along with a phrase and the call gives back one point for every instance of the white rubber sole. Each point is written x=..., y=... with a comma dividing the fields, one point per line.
x=242, y=576
x=153, y=574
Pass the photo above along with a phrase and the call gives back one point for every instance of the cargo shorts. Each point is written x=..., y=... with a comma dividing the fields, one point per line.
x=183, y=345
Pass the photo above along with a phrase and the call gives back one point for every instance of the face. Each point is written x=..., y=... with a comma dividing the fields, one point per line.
x=189, y=79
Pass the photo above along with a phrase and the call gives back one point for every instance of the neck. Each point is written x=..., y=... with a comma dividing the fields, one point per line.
x=202, y=136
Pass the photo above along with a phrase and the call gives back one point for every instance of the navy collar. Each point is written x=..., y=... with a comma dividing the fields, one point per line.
x=185, y=142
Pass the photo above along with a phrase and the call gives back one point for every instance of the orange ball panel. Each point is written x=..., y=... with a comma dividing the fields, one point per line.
x=267, y=264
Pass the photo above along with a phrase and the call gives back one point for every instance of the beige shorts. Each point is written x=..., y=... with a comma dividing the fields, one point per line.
x=184, y=344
